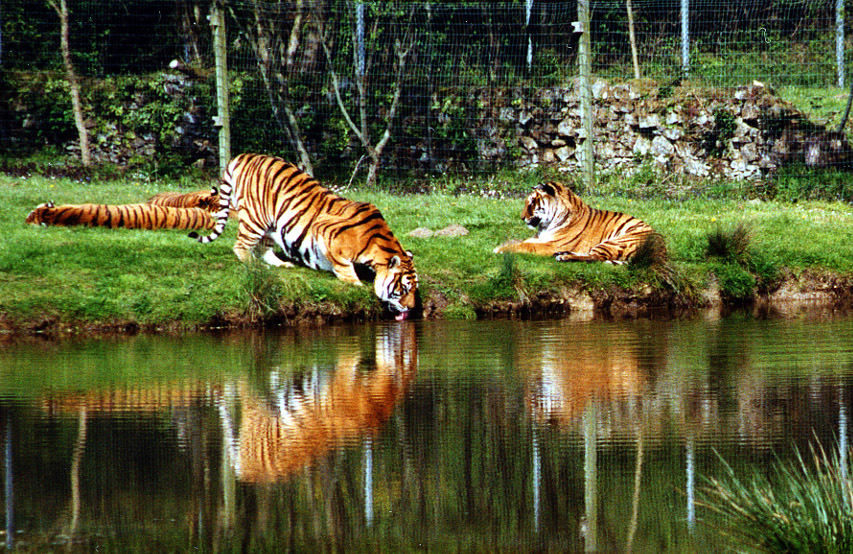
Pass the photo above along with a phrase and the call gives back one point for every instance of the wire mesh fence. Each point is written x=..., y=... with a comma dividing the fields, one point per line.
x=704, y=88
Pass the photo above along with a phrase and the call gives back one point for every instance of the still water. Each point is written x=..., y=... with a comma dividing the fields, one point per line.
x=487, y=435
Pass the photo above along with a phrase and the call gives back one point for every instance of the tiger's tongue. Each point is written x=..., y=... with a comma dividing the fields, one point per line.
x=401, y=316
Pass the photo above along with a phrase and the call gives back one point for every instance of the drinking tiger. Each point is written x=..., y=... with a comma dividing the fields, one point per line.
x=277, y=203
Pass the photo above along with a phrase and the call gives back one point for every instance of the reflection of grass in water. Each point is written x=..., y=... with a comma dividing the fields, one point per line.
x=802, y=506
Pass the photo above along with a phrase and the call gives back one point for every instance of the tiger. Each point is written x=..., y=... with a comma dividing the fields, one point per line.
x=271, y=435
x=204, y=199
x=127, y=216
x=277, y=203
x=570, y=230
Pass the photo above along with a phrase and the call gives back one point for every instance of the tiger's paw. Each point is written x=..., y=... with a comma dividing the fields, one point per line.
x=572, y=257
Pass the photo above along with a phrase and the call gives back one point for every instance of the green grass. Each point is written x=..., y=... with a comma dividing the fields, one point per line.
x=804, y=506
x=91, y=275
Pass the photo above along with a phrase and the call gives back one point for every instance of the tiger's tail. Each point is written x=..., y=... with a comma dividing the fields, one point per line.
x=221, y=216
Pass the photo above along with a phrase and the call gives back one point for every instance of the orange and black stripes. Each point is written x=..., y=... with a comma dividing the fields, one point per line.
x=570, y=230
x=204, y=199
x=125, y=216
x=277, y=203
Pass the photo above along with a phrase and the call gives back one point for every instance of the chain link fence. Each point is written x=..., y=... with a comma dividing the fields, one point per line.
x=734, y=90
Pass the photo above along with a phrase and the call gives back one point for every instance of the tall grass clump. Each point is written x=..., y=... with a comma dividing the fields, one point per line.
x=651, y=258
x=730, y=245
x=739, y=268
x=805, y=505
x=650, y=253
x=263, y=287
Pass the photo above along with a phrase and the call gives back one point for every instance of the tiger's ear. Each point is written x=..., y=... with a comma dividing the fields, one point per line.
x=393, y=262
x=214, y=191
x=410, y=255
x=547, y=188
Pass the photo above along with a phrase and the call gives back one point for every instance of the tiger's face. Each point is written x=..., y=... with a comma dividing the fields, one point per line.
x=41, y=215
x=396, y=284
x=548, y=203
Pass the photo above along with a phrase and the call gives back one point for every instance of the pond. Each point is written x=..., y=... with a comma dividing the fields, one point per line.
x=439, y=435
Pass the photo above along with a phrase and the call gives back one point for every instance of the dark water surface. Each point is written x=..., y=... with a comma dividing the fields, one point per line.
x=445, y=436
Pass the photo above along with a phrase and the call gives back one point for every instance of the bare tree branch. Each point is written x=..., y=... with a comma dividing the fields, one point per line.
x=402, y=48
x=270, y=54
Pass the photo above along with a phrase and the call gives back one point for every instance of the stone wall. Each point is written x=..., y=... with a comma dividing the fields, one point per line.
x=737, y=134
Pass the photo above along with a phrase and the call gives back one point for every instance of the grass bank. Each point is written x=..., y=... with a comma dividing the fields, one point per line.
x=65, y=279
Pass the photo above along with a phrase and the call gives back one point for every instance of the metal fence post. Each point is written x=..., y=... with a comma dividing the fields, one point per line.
x=685, y=38
x=587, y=115
x=222, y=120
x=839, y=40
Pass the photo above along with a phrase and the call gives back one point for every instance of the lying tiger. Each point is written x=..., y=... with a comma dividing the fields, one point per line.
x=127, y=216
x=204, y=199
x=277, y=203
x=570, y=230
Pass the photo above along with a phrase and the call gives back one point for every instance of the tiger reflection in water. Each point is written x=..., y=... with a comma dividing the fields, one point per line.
x=303, y=419
x=564, y=377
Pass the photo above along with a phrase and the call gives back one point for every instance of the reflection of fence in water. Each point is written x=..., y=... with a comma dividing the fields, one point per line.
x=287, y=428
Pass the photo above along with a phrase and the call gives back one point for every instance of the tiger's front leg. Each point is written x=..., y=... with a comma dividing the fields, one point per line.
x=268, y=254
x=524, y=247
x=574, y=257
x=345, y=272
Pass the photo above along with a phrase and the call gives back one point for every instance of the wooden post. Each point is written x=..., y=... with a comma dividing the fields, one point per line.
x=222, y=120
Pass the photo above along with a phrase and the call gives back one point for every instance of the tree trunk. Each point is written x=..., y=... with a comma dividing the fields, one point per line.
x=62, y=11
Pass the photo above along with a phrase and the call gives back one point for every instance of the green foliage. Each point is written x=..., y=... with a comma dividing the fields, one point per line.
x=725, y=125
x=735, y=281
x=741, y=271
x=797, y=182
x=127, y=107
x=49, y=105
x=254, y=127
x=805, y=506
x=730, y=245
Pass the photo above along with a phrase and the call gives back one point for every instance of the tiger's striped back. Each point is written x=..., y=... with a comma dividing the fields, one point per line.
x=204, y=199
x=313, y=226
x=126, y=216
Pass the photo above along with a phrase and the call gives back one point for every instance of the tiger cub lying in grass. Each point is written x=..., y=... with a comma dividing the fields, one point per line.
x=126, y=216
x=570, y=230
x=277, y=203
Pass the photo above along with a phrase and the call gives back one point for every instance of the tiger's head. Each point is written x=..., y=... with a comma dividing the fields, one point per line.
x=549, y=205
x=41, y=215
x=208, y=200
x=396, y=283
